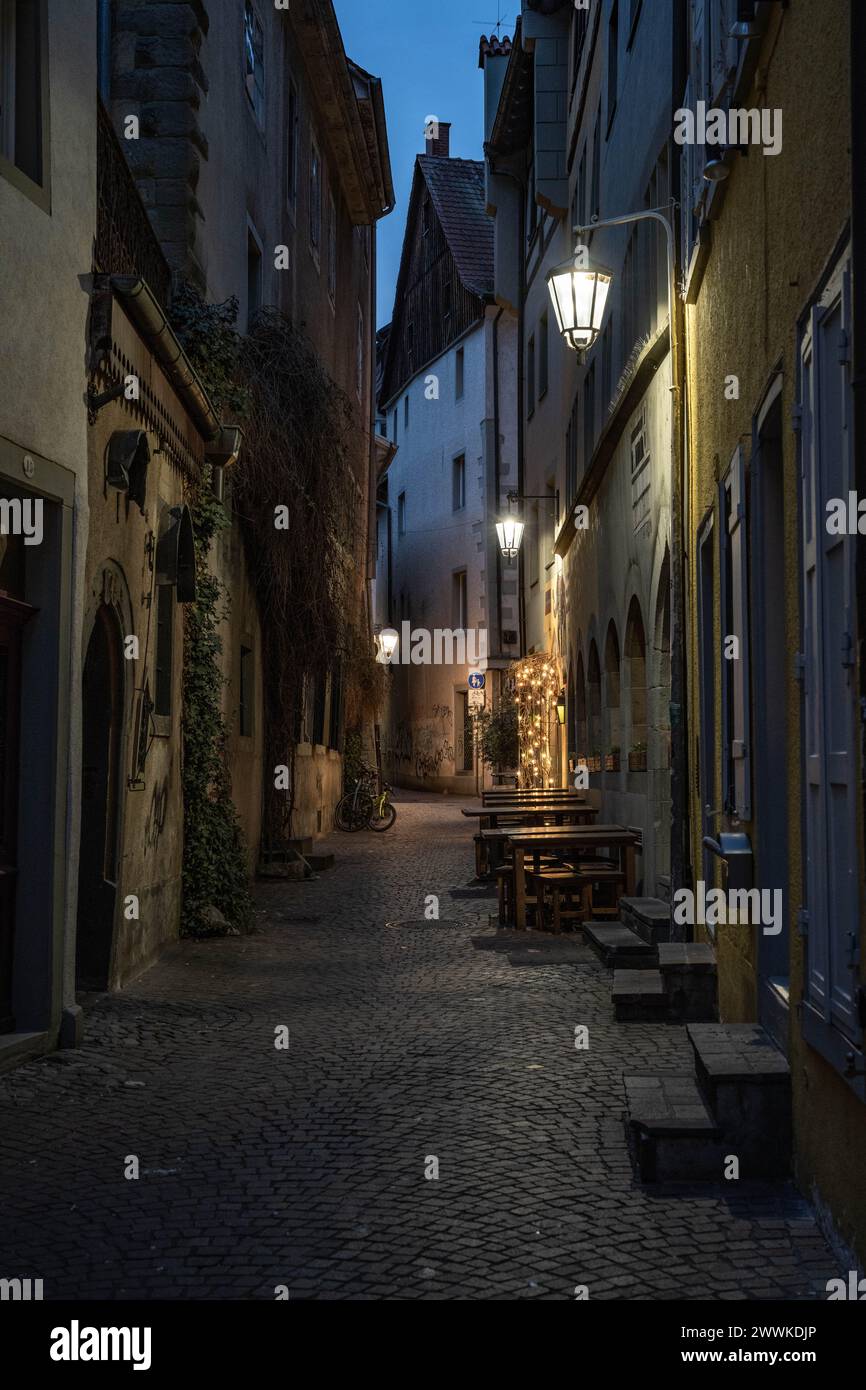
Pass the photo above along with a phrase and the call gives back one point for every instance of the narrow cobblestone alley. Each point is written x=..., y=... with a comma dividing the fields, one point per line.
x=306, y=1167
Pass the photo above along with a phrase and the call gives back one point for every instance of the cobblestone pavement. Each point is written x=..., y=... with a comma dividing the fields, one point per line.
x=306, y=1167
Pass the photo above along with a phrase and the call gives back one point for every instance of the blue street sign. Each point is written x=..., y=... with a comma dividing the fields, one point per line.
x=476, y=680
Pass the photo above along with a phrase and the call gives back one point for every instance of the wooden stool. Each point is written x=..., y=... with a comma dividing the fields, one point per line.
x=612, y=883
x=564, y=884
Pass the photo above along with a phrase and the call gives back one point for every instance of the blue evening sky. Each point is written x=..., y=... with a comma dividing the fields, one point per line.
x=426, y=53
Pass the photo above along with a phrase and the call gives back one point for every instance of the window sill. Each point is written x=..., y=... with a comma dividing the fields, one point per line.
x=37, y=193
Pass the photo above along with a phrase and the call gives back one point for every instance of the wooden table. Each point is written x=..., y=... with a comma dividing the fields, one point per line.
x=532, y=815
x=552, y=837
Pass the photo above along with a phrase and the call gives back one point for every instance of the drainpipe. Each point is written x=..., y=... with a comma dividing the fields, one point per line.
x=858, y=353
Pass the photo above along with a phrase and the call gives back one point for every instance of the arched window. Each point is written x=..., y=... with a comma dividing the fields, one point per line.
x=581, y=732
x=594, y=691
x=612, y=690
x=635, y=655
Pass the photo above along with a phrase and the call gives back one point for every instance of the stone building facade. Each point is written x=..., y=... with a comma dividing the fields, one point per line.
x=452, y=423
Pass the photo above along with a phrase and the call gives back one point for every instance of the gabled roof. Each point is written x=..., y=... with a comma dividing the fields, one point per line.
x=457, y=191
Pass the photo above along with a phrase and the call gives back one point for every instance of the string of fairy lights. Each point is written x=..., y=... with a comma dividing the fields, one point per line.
x=536, y=688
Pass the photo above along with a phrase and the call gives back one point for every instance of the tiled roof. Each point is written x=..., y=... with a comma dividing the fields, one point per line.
x=457, y=191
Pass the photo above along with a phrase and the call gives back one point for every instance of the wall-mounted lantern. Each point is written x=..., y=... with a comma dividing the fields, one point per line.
x=126, y=463
x=386, y=645
x=579, y=297
x=561, y=707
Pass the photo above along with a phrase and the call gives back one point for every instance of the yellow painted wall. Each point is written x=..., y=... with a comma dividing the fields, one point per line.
x=775, y=234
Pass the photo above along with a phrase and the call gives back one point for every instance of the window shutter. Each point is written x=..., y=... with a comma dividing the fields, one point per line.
x=812, y=713
x=830, y=694
x=740, y=730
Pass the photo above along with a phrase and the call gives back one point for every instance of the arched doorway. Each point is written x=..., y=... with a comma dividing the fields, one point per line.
x=102, y=720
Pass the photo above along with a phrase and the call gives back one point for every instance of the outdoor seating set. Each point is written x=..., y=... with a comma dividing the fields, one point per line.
x=554, y=865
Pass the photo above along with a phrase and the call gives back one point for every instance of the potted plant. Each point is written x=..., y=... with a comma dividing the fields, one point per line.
x=611, y=762
x=637, y=758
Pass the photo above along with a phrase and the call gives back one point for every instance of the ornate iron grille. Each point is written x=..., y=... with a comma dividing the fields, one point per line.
x=126, y=243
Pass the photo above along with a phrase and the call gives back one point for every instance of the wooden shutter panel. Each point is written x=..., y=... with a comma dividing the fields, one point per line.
x=812, y=715
x=830, y=695
x=740, y=732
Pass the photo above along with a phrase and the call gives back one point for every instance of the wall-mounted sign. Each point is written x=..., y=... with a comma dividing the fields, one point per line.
x=477, y=680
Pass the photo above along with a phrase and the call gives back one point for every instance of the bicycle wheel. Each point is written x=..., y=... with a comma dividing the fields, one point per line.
x=361, y=812
x=386, y=820
x=343, y=813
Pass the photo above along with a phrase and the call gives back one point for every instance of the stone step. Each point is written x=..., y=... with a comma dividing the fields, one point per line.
x=320, y=862
x=649, y=917
x=617, y=945
x=747, y=1084
x=639, y=996
x=688, y=969
x=672, y=1136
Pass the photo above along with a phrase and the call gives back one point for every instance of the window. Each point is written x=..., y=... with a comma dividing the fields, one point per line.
x=534, y=538
x=458, y=374
x=612, y=62
x=317, y=731
x=164, y=649
x=588, y=415
x=581, y=190
x=401, y=514
x=633, y=12
x=530, y=377
x=606, y=365
x=595, y=194
x=23, y=128
x=359, y=355
x=254, y=61
x=315, y=200
x=572, y=447
x=578, y=33
x=543, y=356
x=292, y=130
x=406, y=411
x=736, y=792
x=245, y=700
x=335, y=720
x=104, y=40
x=459, y=482
x=640, y=473
x=460, y=616
x=332, y=249
x=254, y=277
x=832, y=1015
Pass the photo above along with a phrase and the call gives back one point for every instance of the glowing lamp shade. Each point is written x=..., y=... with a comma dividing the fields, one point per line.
x=386, y=644
x=561, y=708
x=510, y=534
x=579, y=297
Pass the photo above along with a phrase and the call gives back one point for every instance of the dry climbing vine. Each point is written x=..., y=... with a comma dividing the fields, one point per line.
x=300, y=502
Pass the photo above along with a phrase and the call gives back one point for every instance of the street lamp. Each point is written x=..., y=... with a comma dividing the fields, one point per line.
x=579, y=296
x=510, y=529
x=386, y=645
x=510, y=534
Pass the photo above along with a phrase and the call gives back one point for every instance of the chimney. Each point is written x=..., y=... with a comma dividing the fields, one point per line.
x=439, y=139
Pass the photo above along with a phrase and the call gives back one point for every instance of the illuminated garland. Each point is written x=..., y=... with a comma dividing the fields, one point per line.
x=536, y=691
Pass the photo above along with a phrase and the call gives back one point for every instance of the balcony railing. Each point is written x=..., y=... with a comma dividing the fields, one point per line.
x=126, y=243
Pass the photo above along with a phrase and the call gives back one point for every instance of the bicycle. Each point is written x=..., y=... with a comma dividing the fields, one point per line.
x=365, y=806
